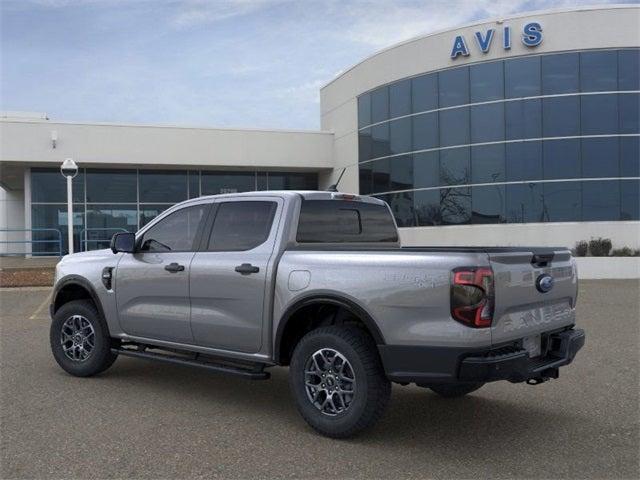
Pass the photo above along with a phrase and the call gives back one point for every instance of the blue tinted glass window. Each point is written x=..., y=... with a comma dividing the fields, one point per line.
x=380, y=104
x=524, y=203
x=487, y=81
x=600, y=201
x=400, y=135
x=381, y=175
x=402, y=207
x=194, y=184
x=523, y=161
x=629, y=70
x=599, y=71
x=454, y=127
x=630, y=156
x=214, y=183
x=560, y=73
x=599, y=114
x=55, y=217
x=427, y=207
x=365, y=172
x=380, y=140
x=600, y=157
x=454, y=87
x=364, y=110
x=630, y=200
x=454, y=166
x=522, y=77
x=262, y=182
x=426, y=169
x=561, y=159
x=562, y=201
x=561, y=116
x=163, y=186
x=112, y=217
x=488, y=204
x=149, y=212
x=112, y=186
x=487, y=123
x=523, y=119
x=292, y=181
x=48, y=185
x=487, y=164
x=402, y=172
x=425, y=131
x=629, y=113
x=365, y=145
x=400, y=98
x=424, y=92
x=455, y=205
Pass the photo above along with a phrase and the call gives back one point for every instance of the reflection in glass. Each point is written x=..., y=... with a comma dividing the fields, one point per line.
x=400, y=98
x=364, y=110
x=426, y=169
x=561, y=159
x=487, y=164
x=54, y=217
x=522, y=77
x=365, y=145
x=402, y=172
x=400, y=135
x=49, y=186
x=149, y=212
x=402, y=207
x=560, y=73
x=488, y=204
x=427, y=207
x=112, y=186
x=424, y=92
x=562, y=202
x=453, y=87
x=524, y=203
x=454, y=127
x=629, y=69
x=523, y=119
x=365, y=178
x=487, y=81
x=599, y=71
x=194, y=184
x=381, y=175
x=455, y=205
x=523, y=161
x=380, y=141
x=600, y=201
x=425, y=131
x=561, y=116
x=600, y=157
x=162, y=186
x=214, y=183
x=599, y=114
x=629, y=113
x=380, y=105
x=487, y=123
x=630, y=200
x=454, y=166
x=103, y=221
x=630, y=156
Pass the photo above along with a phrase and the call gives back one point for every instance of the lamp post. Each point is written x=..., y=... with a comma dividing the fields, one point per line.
x=69, y=169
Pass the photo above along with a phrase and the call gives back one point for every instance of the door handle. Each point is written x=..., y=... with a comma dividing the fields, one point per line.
x=246, y=269
x=174, y=268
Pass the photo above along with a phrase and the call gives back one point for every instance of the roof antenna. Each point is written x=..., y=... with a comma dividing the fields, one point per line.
x=334, y=187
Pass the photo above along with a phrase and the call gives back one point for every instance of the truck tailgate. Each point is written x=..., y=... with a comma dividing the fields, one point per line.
x=522, y=307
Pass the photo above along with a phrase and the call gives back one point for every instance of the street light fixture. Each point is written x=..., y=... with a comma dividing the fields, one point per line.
x=69, y=169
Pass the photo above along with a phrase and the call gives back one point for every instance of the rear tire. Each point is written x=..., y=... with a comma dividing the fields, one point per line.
x=80, y=340
x=453, y=390
x=354, y=390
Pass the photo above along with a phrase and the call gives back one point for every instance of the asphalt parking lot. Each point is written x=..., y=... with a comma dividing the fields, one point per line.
x=147, y=420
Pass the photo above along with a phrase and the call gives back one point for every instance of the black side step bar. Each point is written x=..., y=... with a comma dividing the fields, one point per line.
x=257, y=374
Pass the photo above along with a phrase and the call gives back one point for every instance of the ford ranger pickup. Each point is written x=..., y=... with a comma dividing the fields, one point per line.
x=318, y=282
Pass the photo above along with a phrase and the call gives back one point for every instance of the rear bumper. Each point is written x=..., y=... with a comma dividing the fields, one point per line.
x=427, y=365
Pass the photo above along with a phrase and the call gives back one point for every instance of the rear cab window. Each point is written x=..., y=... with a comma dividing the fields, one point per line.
x=345, y=221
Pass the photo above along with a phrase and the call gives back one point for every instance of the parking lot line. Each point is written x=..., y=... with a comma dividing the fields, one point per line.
x=42, y=306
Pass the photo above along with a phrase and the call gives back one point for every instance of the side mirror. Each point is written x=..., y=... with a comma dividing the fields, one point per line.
x=123, y=242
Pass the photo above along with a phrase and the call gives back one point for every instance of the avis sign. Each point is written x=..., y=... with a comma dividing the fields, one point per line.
x=531, y=36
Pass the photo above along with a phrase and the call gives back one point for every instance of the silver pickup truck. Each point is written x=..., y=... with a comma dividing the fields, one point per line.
x=319, y=282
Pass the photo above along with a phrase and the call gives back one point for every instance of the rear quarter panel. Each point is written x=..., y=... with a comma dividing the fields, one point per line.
x=406, y=293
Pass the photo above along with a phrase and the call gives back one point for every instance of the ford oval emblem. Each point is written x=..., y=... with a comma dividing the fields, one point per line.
x=544, y=283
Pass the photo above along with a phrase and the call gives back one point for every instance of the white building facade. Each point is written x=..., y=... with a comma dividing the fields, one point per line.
x=521, y=130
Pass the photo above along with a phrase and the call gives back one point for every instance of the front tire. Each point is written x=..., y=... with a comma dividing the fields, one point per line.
x=337, y=380
x=453, y=390
x=80, y=340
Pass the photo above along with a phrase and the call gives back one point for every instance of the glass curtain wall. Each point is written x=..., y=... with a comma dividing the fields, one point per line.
x=107, y=201
x=541, y=138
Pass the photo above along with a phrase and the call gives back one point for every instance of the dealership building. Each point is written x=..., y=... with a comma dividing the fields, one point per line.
x=520, y=130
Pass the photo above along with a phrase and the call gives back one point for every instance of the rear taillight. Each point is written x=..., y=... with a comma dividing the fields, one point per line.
x=472, y=296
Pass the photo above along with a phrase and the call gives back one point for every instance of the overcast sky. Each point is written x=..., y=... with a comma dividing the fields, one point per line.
x=227, y=63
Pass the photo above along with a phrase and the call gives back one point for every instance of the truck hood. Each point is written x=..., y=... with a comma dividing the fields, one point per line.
x=89, y=256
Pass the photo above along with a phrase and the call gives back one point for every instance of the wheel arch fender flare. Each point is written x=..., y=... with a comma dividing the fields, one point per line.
x=77, y=281
x=331, y=299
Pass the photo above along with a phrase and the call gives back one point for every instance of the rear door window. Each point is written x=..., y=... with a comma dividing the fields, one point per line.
x=241, y=225
x=338, y=221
